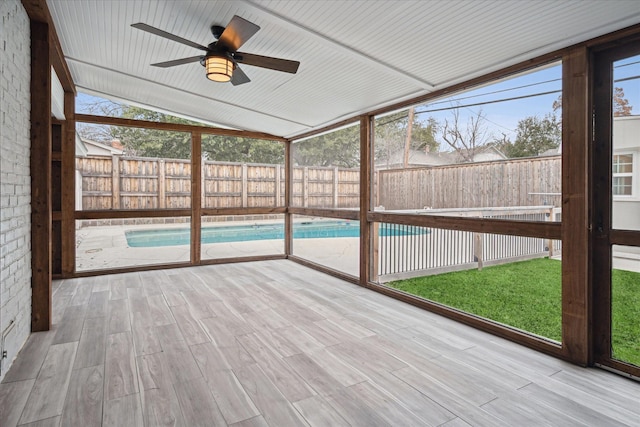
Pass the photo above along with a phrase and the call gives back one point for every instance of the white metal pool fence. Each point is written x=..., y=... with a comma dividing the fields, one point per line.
x=406, y=251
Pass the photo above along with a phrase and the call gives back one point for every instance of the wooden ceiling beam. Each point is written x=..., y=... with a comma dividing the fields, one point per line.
x=38, y=11
x=119, y=121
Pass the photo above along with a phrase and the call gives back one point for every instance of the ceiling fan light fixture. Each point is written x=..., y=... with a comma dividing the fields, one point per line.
x=219, y=68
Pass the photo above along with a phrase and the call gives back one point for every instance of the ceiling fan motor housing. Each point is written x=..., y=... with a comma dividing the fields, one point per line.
x=217, y=31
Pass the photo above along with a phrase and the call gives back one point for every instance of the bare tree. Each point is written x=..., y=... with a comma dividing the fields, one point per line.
x=99, y=133
x=465, y=141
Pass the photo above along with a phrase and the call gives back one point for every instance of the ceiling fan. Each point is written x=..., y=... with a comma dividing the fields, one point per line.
x=221, y=57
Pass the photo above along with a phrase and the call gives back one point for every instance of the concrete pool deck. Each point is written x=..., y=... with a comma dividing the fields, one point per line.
x=103, y=247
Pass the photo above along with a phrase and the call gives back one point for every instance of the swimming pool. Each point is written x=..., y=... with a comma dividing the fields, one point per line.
x=244, y=233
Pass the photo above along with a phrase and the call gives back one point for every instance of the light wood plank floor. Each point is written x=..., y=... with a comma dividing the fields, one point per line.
x=276, y=344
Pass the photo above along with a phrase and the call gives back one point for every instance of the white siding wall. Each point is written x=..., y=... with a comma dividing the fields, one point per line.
x=15, y=183
x=626, y=137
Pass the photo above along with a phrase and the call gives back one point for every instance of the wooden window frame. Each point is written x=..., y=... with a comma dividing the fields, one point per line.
x=632, y=175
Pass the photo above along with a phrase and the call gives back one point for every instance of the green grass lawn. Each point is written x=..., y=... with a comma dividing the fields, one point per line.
x=527, y=296
x=625, y=290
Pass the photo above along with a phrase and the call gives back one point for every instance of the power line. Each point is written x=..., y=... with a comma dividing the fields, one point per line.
x=497, y=91
x=495, y=101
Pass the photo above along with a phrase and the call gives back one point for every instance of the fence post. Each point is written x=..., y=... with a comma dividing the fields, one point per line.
x=376, y=188
x=550, y=217
x=305, y=187
x=478, y=249
x=203, y=182
x=115, y=182
x=278, y=183
x=162, y=192
x=375, y=251
x=335, y=187
x=245, y=186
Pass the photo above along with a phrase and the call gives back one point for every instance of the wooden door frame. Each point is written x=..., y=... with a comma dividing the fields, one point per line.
x=603, y=236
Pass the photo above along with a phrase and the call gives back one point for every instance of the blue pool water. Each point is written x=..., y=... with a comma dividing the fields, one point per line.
x=243, y=233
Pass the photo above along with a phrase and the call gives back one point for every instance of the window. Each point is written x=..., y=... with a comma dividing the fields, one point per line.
x=622, y=174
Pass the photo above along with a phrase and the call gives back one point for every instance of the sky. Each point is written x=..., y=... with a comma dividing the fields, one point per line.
x=506, y=102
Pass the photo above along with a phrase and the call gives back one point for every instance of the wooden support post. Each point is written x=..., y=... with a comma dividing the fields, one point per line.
x=69, y=187
x=162, y=185
x=305, y=187
x=115, y=182
x=278, y=183
x=196, y=201
x=245, y=186
x=336, y=186
x=40, y=178
x=288, y=197
x=366, y=140
x=576, y=118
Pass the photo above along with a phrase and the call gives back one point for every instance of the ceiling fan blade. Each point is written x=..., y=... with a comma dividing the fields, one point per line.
x=161, y=33
x=237, y=32
x=175, y=62
x=267, y=62
x=239, y=77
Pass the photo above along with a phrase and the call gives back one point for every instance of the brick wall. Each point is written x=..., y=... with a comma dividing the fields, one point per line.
x=15, y=187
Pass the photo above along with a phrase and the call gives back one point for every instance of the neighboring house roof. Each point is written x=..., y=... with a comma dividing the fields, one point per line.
x=94, y=148
x=552, y=151
x=81, y=149
x=419, y=158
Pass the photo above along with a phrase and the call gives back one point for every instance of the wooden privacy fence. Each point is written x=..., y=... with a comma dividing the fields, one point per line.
x=148, y=183
x=514, y=182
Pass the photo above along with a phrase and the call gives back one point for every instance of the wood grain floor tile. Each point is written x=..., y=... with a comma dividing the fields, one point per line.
x=449, y=399
x=313, y=374
x=83, y=405
x=161, y=408
x=232, y=399
x=354, y=410
x=13, y=397
x=384, y=407
x=91, y=349
x=30, y=358
x=70, y=327
x=286, y=380
x=429, y=412
x=145, y=338
x=251, y=422
x=275, y=408
x=340, y=369
x=123, y=411
x=318, y=413
x=197, y=404
x=49, y=422
x=118, y=316
x=48, y=393
x=98, y=304
x=189, y=326
x=120, y=375
x=209, y=358
x=159, y=311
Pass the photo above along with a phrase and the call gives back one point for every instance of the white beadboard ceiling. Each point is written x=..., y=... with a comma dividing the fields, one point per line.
x=356, y=56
